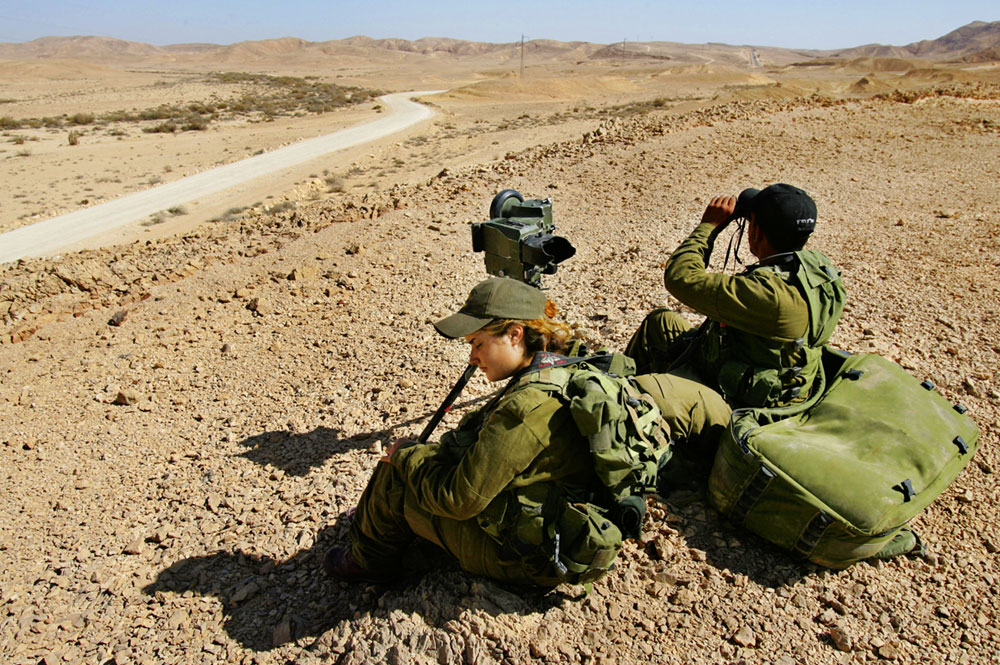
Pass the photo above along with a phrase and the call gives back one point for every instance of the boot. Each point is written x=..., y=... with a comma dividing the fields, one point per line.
x=339, y=564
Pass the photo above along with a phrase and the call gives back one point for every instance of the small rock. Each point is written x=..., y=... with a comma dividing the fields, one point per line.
x=840, y=639
x=126, y=397
x=246, y=591
x=260, y=306
x=684, y=597
x=212, y=502
x=888, y=652
x=303, y=273
x=118, y=317
x=745, y=637
x=178, y=619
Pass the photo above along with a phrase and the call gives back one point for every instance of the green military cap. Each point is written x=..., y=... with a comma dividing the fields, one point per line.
x=494, y=298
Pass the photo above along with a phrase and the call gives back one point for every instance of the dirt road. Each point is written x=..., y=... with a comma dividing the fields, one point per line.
x=52, y=235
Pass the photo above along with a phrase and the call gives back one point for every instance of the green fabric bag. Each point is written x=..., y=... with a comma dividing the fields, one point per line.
x=834, y=479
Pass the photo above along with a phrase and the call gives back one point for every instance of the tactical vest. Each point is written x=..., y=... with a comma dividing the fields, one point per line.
x=751, y=370
x=580, y=531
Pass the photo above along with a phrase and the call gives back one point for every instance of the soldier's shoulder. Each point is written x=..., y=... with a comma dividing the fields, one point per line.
x=527, y=400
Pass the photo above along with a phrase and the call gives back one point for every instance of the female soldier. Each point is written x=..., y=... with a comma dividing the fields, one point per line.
x=454, y=493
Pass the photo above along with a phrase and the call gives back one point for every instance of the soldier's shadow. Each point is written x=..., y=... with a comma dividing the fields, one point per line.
x=269, y=602
x=298, y=453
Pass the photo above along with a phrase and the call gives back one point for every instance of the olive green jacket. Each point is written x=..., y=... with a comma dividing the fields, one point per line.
x=529, y=438
x=766, y=324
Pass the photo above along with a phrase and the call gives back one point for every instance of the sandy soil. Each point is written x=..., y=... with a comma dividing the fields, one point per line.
x=188, y=420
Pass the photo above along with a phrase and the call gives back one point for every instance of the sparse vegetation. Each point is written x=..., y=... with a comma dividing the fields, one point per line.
x=26, y=152
x=162, y=128
x=74, y=137
x=291, y=96
x=334, y=183
x=283, y=206
x=81, y=119
x=231, y=214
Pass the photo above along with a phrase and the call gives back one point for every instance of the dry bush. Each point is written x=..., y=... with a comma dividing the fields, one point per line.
x=334, y=183
x=81, y=119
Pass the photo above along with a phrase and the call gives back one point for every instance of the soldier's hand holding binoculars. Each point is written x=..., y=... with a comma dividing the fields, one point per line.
x=719, y=211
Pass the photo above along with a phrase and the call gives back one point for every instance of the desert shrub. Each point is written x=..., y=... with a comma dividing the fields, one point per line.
x=7, y=122
x=195, y=123
x=162, y=128
x=117, y=116
x=74, y=137
x=200, y=108
x=81, y=119
x=26, y=152
x=177, y=211
x=19, y=139
x=283, y=206
x=161, y=112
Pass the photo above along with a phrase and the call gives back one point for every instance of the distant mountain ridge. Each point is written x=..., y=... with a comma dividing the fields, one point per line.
x=976, y=42
x=978, y=37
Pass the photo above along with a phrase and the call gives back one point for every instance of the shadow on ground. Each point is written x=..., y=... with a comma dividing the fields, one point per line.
x=269, y=602
x=297, y=453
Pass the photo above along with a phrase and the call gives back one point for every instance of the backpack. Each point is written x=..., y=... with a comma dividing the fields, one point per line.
x=837, y=478
x=629, y=443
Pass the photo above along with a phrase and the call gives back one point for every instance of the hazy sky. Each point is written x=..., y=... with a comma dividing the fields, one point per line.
x=818, y=24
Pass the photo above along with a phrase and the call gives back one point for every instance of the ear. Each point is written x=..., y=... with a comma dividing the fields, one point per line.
x=516, y=333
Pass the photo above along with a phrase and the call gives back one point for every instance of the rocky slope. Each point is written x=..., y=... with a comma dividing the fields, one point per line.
x=186, y=423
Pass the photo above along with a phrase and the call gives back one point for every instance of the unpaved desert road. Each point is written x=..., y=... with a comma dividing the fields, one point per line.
x=49, y=236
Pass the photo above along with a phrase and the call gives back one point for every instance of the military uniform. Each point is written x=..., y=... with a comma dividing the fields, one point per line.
x=765, y=327
x=453, y=493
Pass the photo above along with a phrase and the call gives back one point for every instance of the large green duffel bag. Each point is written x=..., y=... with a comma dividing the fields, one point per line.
x=835, y=479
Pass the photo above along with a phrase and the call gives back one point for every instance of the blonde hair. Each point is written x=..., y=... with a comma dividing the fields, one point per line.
x=543, y=334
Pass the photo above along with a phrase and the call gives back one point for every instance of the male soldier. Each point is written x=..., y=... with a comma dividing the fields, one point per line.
x=760, y=345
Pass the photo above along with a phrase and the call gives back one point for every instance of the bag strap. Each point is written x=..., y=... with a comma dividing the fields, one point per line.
x=777, y=413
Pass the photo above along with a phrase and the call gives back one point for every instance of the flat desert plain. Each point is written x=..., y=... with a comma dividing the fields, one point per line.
x=190, y=412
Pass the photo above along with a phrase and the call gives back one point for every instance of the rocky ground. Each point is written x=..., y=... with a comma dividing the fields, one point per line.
x=186, y=422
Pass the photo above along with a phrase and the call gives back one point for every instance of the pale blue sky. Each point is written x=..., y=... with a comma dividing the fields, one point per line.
x=818, y=24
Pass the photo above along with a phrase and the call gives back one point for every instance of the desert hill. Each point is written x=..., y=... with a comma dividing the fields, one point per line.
x=975, y=38
x=969, y=40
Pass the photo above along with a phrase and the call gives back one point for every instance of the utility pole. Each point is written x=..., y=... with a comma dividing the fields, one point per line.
x=522, y=55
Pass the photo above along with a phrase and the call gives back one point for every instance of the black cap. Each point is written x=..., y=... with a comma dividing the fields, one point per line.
x=786, y=214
